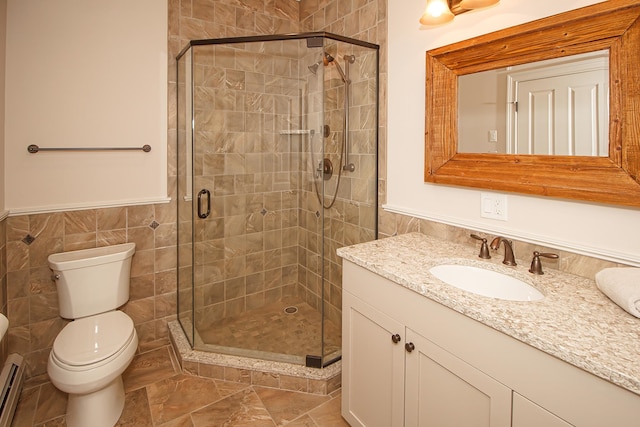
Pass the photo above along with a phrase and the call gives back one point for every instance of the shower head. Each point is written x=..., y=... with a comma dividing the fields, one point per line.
x=314, y=67
x=326, y=60
x=331, y=59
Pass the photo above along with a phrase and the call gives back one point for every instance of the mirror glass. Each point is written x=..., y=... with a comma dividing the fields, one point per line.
x=556, y=107
x=612, y=26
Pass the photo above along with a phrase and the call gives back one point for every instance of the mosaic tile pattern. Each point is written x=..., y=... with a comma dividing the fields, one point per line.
x=270, y=329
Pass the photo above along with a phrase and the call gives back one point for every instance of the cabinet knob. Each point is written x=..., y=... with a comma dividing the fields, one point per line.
x=396, y=338
x=409, y=347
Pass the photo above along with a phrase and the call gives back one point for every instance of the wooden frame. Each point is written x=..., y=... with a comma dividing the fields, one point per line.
x=611, y=25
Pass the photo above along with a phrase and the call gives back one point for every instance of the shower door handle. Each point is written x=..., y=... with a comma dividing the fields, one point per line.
x=200, y=194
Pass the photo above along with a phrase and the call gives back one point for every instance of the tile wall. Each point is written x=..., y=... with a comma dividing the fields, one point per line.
x=351, y=220
x=28, y=294
x=246, y=250
x=265, y=232
x=32, y=301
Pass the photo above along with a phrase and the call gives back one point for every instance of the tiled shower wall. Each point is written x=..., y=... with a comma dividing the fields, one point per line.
x=246, y=250
x=352, y=219
x=28, y=294
x=239, y=78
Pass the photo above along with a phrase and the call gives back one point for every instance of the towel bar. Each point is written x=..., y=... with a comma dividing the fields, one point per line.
x=33, y=148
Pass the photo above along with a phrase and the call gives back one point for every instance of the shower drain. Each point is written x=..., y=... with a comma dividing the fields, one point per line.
x=291, y=309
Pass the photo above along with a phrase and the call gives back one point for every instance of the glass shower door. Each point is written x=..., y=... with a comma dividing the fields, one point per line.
x=184, y=118
x=277, y=169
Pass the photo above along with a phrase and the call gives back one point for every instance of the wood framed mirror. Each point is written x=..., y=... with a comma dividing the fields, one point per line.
x=611, y=25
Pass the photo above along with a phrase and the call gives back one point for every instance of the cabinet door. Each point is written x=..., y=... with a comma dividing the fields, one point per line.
x=444, y=391
x=372, y=366
x=528, y=414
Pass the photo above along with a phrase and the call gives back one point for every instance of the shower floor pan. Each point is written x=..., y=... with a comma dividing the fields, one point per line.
x=287, y=330
x=274, y=341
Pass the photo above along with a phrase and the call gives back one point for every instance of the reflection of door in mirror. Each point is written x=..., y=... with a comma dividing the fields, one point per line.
x=554, y=107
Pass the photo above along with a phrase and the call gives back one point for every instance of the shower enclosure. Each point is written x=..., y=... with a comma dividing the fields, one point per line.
x=277, y=142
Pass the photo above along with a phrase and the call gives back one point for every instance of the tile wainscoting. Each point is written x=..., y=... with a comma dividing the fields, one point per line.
x=31, y=297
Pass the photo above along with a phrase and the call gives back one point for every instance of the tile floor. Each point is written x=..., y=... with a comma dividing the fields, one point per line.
x=159, y=394
x=272, y=329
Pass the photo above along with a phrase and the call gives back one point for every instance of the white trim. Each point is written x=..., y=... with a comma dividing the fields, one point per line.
x=4, y=215
x=545, y=241
x=83, y=206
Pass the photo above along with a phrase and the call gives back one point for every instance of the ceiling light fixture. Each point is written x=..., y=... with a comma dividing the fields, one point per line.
x=439, y=12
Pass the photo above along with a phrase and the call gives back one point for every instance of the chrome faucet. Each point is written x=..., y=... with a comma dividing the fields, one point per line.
x=509, y=258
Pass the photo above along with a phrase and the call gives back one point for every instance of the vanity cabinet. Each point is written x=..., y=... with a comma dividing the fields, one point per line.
x=410, y=361
x=397, y=377
x=528, y=414
x=442, y=390
x=374, y=354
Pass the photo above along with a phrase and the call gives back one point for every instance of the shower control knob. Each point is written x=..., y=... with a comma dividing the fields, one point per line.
x=396, y=338
x=409, y=347
x=349, y=168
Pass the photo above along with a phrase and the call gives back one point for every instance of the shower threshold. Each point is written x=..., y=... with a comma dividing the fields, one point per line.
x=282, y=375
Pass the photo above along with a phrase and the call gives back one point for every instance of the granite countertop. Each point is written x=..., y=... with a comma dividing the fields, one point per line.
x=574, y=322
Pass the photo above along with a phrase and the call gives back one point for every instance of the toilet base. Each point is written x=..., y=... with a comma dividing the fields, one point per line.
x=101, y=408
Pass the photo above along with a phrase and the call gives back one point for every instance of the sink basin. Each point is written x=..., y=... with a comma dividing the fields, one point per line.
x=486, y=282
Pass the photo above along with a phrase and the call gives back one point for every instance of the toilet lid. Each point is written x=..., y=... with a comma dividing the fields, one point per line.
x=92, y=339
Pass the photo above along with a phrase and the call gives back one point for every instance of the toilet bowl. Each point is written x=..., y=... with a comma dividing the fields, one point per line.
x=93, y=378
x=90, y=354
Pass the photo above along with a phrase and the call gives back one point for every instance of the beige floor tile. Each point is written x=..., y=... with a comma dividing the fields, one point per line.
x=147, y=368
x=179, y=395
x=303, y=421
x=184, y=421
x=227, y=388
x=285, y=406
x=136, y=410
x=242, y=409
x=57, y=422
x=328, y=414
x=51, y=404
x=157, y=396
x=26, y=409
x=271, y=329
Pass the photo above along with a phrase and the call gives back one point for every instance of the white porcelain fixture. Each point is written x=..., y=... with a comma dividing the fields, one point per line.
x=90, y=353
x=486, y=282
x=4, y=325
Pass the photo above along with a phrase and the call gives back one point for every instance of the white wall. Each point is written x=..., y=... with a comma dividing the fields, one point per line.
x=605, y=231
x=85, y=73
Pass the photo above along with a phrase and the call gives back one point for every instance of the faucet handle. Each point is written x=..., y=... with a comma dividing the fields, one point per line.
x=536, y=265
x=484, y=248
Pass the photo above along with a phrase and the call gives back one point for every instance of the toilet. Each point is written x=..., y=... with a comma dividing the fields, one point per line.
x=91, y=352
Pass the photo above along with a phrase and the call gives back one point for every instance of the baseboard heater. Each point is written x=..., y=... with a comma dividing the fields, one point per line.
x=11, y=380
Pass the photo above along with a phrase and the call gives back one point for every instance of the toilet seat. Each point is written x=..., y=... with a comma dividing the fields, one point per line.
x=92, y=341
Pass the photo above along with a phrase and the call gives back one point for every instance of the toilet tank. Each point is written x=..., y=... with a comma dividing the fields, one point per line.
x=92, y=281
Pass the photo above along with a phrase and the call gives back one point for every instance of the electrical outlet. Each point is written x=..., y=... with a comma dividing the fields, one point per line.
x=493, y=205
